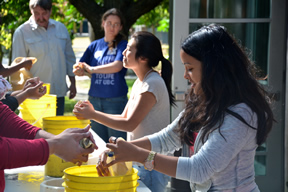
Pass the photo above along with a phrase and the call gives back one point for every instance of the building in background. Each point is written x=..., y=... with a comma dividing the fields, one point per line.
x=261, y=26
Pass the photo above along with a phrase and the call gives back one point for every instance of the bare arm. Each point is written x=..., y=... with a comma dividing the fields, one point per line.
x=5, y=72
x=123, y=122
x=43, y=134
x=113, y=67
x=72, y=88
x=138, y=151
x=31, y=90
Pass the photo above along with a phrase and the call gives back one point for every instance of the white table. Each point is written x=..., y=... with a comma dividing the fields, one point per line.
x=28, y=179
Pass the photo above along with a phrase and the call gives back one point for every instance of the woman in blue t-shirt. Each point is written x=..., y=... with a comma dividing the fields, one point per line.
x=103, y=59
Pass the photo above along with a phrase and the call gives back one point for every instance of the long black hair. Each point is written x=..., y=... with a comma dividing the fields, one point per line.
x=149, y=46
x=228, y=78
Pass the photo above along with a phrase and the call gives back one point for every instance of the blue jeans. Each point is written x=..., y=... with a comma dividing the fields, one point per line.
x=60, y=106
x=114, y=105
x=154, y=180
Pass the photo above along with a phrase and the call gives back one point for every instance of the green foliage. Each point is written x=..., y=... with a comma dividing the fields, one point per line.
x=67, y=14
x=15, y=12
x=69, y=105
x=5, y=37
x=157, y=18
x=12, y=14
x=130, y=83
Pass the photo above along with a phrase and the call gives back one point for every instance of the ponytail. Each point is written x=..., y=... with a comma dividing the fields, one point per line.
x=149, y=46
x=114, y=43
x=166, y=74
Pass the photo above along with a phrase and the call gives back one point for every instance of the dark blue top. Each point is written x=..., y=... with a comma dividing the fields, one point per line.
x=111, y=84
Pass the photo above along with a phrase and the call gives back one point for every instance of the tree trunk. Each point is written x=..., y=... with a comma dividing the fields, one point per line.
x=130, y=9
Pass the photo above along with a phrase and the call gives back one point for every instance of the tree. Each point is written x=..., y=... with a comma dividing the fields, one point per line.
x=10, y=20
x=131, y=10
x=15, y=12
x=157, y=18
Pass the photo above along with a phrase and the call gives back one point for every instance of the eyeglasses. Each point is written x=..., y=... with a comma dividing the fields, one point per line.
x=109, y=24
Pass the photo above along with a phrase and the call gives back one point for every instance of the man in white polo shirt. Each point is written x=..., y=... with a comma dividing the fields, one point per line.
x=48, y=41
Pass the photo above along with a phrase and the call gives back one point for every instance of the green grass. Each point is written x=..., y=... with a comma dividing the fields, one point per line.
x=69, y=103
x=129, y=83
x=69, y=106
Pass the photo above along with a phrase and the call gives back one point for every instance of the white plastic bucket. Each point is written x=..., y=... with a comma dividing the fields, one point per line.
x=52, y=185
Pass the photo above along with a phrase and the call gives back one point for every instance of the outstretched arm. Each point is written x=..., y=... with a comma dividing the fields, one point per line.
x=33, y=89
x=137, y=151
x=5, y=72
x=113, y=67
x=127, y=121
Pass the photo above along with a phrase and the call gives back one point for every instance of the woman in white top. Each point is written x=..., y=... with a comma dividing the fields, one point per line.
x=148, y=108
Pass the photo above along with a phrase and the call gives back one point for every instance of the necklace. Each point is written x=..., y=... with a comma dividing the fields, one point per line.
x=147, y=74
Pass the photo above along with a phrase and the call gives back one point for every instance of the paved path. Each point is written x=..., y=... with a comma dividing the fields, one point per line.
x=79, y=45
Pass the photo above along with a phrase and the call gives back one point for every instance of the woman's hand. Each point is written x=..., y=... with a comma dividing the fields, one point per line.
x=66, y=145
x=123, y=151
x=87, y=68
x=78, y=69
x=83, y=110
x=34, y=89
x=36, y=92
x=102, y=167
x=26, y=63
x=31, y=82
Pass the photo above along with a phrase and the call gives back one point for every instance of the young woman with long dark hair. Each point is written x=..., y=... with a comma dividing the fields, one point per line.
x=228, y=108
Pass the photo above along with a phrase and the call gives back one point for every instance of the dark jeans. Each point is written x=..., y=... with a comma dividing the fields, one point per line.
x=60, y=106
x=114, y=105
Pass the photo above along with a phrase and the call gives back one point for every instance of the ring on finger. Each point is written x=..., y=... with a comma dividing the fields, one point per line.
x=114, y=139
x=110, y=153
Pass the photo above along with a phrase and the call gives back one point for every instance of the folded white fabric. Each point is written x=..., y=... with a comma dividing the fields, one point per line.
x=4, y=87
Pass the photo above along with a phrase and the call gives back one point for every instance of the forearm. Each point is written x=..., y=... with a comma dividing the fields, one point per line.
x=43, y=134
x=72, y=80
x=20, y=96
x=48, y=136
x=143, y=142
x=5, y=72
x=161, y=162
x=15, y=93
x=117, y=122
x=114, y=67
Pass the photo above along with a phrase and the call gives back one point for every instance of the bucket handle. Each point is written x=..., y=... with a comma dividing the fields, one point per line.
x=48, y=106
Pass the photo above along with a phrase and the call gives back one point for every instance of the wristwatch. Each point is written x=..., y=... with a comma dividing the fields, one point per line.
x=149, y=162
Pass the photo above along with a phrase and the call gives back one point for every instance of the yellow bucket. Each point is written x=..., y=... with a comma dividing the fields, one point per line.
x=47, y=85
x=33, y=110
x=85, y=178
x=88, y=174
x=68, y=189
x=101, y=186
x=56, y=125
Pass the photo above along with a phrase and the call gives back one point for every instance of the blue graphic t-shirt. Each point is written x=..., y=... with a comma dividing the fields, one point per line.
x=111, y=84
